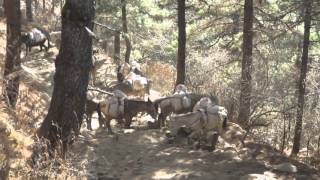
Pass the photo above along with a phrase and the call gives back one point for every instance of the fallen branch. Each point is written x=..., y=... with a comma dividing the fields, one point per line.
x=99, y=90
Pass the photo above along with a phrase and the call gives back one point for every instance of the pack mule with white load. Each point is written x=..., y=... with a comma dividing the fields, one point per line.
x=119, y=107
x=202, y=124
x=180, y=102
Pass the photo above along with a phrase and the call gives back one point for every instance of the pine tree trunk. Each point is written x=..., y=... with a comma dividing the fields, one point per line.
x=53, y=5
x=302, y=79
x=116, y=55
x=245, y=94
x=181, y=42
x=71, y=79
x=12, y=64
x=125, y=30
x=44, y=5
x=2, y=8
x=29, y=10
x=283, y=145
x=36, y=6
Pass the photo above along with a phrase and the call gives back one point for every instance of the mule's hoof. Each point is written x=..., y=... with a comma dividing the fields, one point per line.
x=152, y=125
x=170, y=141
x=196, y=145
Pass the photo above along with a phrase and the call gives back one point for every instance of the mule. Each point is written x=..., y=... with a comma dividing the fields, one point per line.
x=124, y=69
x=174, y=104
x=36, y=37
x=201, y=125
x=130, y=110
x=129, y=90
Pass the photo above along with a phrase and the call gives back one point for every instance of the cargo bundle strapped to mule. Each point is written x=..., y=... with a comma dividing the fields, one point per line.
x=202, y=124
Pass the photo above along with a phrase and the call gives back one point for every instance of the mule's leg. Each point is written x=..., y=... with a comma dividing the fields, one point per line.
x=127, y=122
x=213, y=139
x=28, y=49
x=107, y=124
x=100, y=118
x=89, y=121
x=162, y=117
x=47, y=47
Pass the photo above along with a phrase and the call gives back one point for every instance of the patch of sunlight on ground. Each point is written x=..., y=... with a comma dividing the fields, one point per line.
x=168, y=174
x=187, y=162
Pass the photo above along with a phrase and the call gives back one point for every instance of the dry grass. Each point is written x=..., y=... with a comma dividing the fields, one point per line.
x=162, y=76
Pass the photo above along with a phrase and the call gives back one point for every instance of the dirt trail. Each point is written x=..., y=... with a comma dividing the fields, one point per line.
x=145, y=154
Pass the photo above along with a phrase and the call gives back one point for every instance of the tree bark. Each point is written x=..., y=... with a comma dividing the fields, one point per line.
x=36, y=5
x=125, y=30
x=53, y=5
x=71, y=79
x=246, y=68
x=302, y=79
x=43, y=5
x=181, y=42
x=29, y=10
x=12, y=63
x=116, y=55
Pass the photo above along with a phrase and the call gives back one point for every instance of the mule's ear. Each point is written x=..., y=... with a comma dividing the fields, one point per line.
x=149, y=100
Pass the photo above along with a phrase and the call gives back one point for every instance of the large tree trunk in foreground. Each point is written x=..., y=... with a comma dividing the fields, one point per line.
x=71, y=79
x=29, y=10
x=12, y=64
x=181, y=72
x=245, y=94
x=302, y=79
x=125, y=30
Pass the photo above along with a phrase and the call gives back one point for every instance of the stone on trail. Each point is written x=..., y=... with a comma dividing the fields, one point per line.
x=285, y=167
x=265, y=176
x=128, y=131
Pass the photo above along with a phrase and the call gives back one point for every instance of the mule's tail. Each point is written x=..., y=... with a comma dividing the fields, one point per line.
x=48, y=39
x=224, y=124
x=99, y=115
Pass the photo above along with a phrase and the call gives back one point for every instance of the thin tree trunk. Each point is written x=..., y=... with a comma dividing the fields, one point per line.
x=61, y=4
x=29, y=10
x=36, y=6
x=245, y=94
x=2, y=8
x=308, y=145
x=73, y=63
x=181, y=72
x=12, y=64
x=318, y=145
x=116, y=55
x=302, y=79
x=53, y=5
x=43, y=5
x=283, y=145
x=125, y=30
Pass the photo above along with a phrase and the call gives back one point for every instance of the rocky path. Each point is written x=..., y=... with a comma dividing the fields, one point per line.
x=145, y=154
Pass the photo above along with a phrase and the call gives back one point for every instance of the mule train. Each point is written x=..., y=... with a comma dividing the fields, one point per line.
x=118, y=107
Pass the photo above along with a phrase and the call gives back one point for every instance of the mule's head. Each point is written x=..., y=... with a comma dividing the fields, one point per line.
x=25, y=37
x=151, y=110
